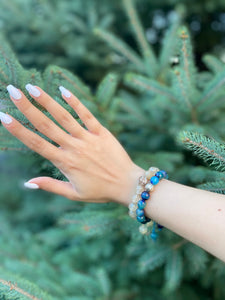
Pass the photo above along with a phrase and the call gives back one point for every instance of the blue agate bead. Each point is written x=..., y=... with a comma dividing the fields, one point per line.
x=154, y=236
x=140, y=212
x=141, y=204
x=165, y=175
x=154, y=180
x=145, y=195
x=159, y=174
x=141, y=219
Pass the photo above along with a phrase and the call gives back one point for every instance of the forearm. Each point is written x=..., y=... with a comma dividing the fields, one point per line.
x=195, y=214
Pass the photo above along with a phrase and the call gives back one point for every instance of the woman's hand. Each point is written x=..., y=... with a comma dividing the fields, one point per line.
x=97, y=166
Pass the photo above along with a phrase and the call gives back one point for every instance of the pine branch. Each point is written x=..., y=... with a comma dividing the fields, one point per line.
x=121, y=47
x=107, y=89
x=147, y=52
x=213, y=63
x=173, y=271
x=204, y=147
x=15, y=286
x=212, y=88
x=144, y=84
x=215, y=186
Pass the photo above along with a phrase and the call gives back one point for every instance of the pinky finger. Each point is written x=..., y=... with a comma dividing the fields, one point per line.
x=52, y=185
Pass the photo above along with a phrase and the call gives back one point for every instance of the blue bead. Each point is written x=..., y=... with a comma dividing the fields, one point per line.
x=165, y=175
x=141, y=204
x=145, y=195
x=140, y=212
x=159, y=174
x=154, y=236
x=141, y=219
x=154, y=180
x=160, y=227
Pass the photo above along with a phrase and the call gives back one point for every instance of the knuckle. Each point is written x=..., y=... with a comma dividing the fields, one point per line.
x=44, y=126
x=36, y=144
x=66, y=118
x=87, y=115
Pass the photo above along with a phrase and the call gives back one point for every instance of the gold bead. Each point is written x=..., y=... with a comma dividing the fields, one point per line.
x=149, y=224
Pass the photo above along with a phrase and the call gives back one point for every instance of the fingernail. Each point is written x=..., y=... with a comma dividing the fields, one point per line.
x=64, y=91
x=5, y=118
x=32, y=90
x=14, y=92
x=31, y=185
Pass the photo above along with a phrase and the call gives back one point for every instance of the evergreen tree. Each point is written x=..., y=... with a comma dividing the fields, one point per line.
x=167, y=113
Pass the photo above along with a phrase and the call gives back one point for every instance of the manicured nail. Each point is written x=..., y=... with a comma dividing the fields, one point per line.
x=65, y=92
x=31, y=185
x=5, y=118
x=14, y=92
x=33, y=90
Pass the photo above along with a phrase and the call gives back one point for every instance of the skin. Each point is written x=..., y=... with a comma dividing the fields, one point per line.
x=99, y=169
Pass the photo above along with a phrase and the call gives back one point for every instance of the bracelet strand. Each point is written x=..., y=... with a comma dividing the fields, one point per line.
x=146, y=185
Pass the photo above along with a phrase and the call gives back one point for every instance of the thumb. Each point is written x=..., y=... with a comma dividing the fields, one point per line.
x=52, y=185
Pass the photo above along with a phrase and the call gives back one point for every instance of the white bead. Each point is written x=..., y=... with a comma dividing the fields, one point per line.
x=154, y=169
x=139, y=189
x=143, y=229
x=149, y=187
x=149, y=174
x=132, y=206
x=135, y=198
x=132, y=214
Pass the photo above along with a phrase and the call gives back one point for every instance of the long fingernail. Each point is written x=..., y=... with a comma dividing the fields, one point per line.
x=5, y=118
x=32, y=90
x=31, y=185
x=64, y=92
x=14, y=92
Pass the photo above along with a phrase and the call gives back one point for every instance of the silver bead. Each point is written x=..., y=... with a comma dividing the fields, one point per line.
x=149, y=187
x=143, y=229
x=133, y=206
x=143, y=180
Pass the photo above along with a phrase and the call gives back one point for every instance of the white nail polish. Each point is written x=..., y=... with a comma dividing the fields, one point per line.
x=32, y=90
x=5, y=118
x=14, y=92
x=31, y=185
x=64, y=91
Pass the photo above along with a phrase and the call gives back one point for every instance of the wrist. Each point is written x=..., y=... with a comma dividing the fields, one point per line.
x=129, y=184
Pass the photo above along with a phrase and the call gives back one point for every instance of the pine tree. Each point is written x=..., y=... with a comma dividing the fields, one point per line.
x=166, y=113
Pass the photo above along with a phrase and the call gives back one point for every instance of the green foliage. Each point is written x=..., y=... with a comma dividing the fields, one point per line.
x=161, y=107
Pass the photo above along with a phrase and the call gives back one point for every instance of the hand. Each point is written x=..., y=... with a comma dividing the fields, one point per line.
x=97, y=166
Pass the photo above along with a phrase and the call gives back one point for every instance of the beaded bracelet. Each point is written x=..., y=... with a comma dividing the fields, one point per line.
x=136, y=207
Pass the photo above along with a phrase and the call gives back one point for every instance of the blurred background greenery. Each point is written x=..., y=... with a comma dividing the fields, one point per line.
x=89, y=254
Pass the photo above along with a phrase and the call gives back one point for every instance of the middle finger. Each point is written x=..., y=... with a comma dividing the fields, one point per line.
x=39, y=119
